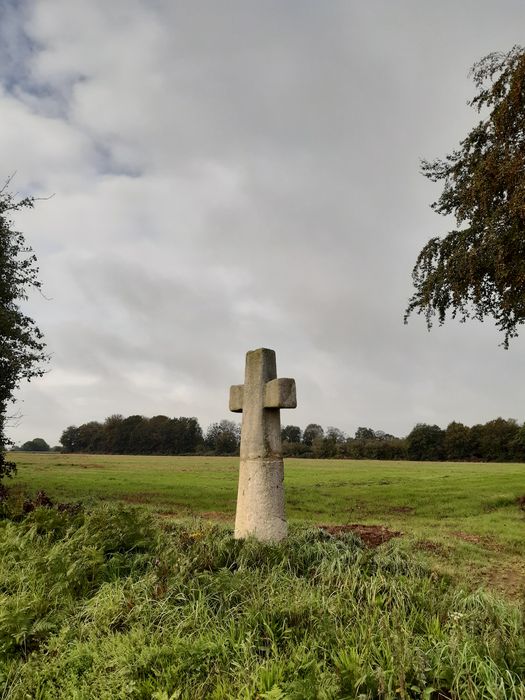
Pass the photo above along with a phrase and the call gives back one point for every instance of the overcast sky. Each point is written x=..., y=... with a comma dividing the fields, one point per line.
x=231, y=175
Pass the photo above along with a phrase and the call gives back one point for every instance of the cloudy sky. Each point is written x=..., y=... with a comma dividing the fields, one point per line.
x=237, y=174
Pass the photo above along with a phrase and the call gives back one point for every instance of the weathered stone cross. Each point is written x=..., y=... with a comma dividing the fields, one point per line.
x=260, y=498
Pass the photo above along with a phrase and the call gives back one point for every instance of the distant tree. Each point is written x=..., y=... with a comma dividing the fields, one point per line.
x=22, y=347
x=364, y=434
x=131, y=435
x=476, y=433
x=135, y=435
x=139, y=437
x=478, y=269
x=457, y=443
x=36, y=445
x=223, y=438
x=321, y=448
x=295, y=449
x=391, y=448
x=113, y=434
x=312, y=431
x=291, y=433
x=496, y=440
x=425, y=442
x=335, y=435
x=517, y=445
x=69, y=439
x=91, y=437
x=185, y=435
x=88, y=437
x=159, y=435
x=381, y=435
x=331, y=445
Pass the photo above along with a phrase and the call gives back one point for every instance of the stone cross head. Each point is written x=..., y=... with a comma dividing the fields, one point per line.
x=259, y=400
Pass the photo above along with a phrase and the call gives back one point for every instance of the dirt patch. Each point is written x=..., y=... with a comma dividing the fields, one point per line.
x=372, y=535
x=432, y=547
x=137, y=498
x=81, y=465
x=216, y=515
x=169, y=514
x=481, y=540
x=509, y=580
x=402, y=510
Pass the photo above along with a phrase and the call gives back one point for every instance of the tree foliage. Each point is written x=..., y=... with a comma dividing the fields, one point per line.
x=223, y=438
x=425, y=442
x=22, y=353
x=457, y=442
x=364, y=434
x=35, y=445
x=478, y=269
x=499, y=440
x=291, y=433
x=311, y=432
x=135, y=435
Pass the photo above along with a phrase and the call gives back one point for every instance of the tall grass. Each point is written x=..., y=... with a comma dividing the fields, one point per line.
x=108, y=604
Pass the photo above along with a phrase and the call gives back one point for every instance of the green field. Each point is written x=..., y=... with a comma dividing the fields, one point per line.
x=463, y=519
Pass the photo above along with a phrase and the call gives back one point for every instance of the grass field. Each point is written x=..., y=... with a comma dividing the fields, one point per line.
x=462, y=519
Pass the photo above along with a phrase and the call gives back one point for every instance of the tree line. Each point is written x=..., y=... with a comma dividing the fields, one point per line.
x=159, y=435
x=499, y=440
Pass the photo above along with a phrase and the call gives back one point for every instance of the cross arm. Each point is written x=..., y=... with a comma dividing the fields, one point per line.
x=280, y=393
x=236, y=398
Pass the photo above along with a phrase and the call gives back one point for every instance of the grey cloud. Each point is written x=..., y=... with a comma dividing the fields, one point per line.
x=242, y=174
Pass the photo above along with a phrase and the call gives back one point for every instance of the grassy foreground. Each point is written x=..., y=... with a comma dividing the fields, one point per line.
x=107, y=603
x=462, y=519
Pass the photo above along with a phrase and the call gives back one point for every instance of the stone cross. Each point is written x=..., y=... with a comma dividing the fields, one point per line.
x=260, y=498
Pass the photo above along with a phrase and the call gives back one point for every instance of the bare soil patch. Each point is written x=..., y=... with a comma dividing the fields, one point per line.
x=432, y=547
x=508, y=579
x=372, y=535
x=483, y=541
x=81, y=465
x=138, y=498
x=216, y=515
x=402, y=510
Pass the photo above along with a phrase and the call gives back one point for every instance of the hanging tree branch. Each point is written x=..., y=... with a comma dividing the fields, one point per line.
x=478, y=269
